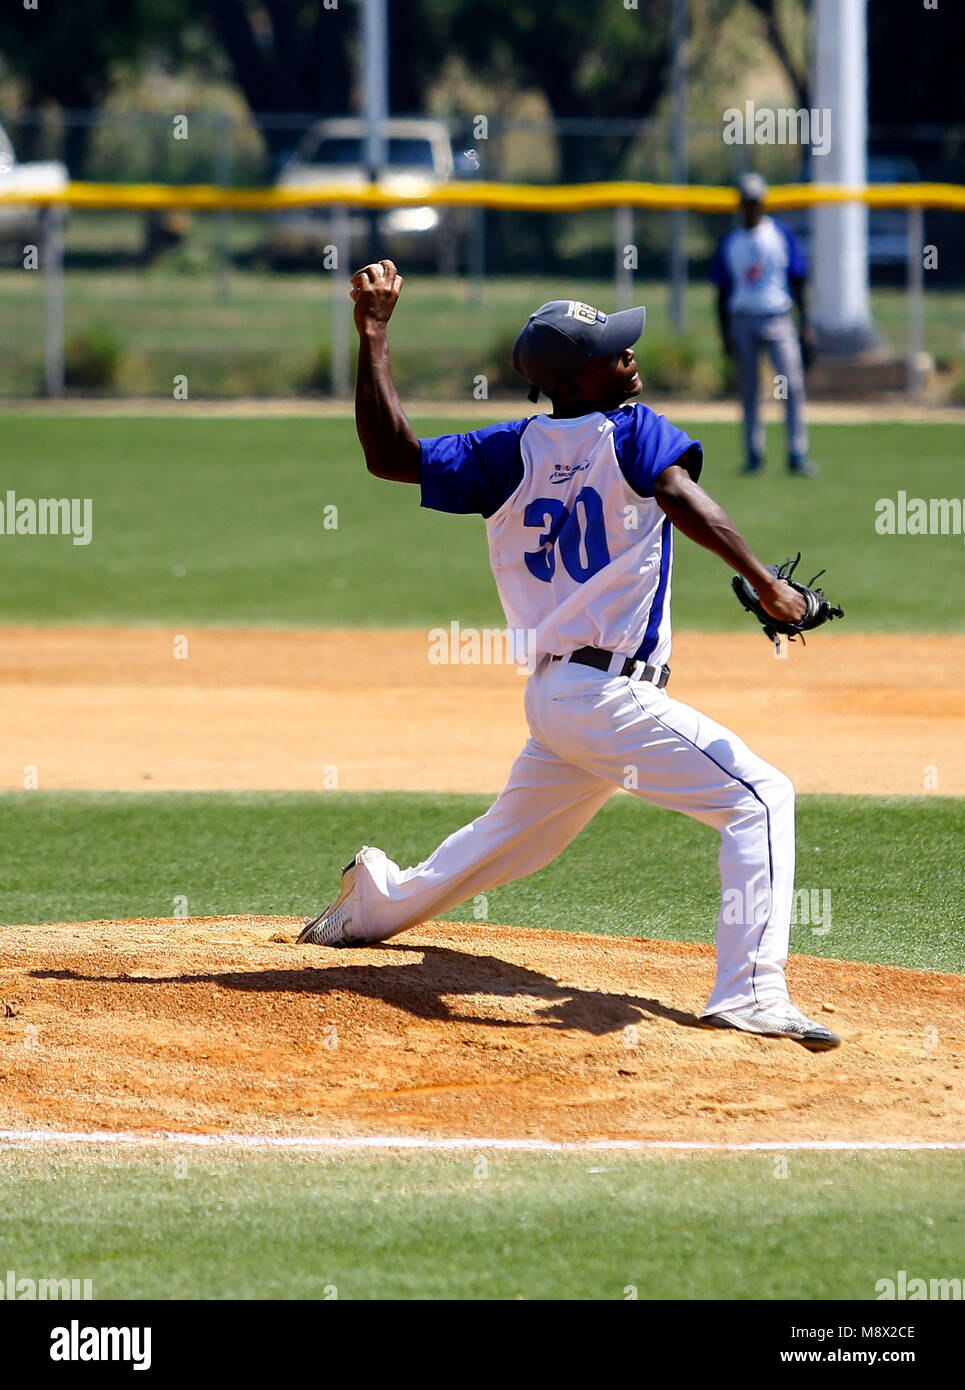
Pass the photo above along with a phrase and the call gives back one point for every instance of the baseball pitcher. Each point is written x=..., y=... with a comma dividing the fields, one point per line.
x=581, y=506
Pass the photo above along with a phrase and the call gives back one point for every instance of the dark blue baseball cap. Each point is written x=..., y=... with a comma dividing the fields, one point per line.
x=565, y=333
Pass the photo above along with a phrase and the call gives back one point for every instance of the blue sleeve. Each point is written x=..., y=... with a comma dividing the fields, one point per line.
x=473, y=472
x=797, y=262
x=719, y=271
x=646, y=443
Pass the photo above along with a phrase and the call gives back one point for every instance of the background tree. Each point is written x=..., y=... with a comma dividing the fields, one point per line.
x=587, y=60
x=915, y=64
x=778, y=18
x=290, y=58
x=68, y=54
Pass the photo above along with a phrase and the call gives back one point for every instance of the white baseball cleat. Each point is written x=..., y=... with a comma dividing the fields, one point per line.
x=329, y=928
x=775, y=1021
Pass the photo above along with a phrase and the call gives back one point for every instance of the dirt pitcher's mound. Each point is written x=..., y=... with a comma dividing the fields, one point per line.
x=224, y=1025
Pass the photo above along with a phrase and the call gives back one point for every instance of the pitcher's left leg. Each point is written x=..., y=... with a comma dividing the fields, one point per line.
x=752, y=805
x=673, y=756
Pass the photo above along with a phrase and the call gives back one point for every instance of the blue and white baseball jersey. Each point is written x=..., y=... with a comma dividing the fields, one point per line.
x=755, y=264
x=581, y=552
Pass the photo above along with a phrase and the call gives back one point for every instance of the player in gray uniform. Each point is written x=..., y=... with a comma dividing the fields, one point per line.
x=760, y=272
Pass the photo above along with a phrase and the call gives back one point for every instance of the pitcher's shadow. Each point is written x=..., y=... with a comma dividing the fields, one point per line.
x=420, y=988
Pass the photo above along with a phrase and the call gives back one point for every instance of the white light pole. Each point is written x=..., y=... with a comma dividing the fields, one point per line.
x=375, y=82
x=375, y=106
x=842, y=308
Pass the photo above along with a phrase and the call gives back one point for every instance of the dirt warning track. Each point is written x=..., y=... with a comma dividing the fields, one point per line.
x=223, y=1025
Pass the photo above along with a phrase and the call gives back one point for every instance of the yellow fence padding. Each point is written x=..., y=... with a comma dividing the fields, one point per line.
x=522, y=197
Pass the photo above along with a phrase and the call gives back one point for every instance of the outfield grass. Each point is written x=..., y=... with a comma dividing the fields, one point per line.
x=176, y=1224
x=222, y=522
x=76, y=856
x=265, y=336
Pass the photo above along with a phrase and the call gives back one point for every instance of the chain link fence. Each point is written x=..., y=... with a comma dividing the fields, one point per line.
x=239, y=303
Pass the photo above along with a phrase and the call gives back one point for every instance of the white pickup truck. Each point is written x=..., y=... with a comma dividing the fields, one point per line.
x=417, y=155
x=20, y=222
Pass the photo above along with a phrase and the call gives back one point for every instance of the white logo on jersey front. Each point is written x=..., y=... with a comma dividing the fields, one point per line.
x=563, y=472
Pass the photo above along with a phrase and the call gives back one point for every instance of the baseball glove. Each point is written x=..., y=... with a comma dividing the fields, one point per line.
x=819, y=609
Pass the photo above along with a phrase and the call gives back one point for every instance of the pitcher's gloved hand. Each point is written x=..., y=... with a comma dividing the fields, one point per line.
x=818, y=609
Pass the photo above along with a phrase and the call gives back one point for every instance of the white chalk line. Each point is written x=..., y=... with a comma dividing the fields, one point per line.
x=35, y=1138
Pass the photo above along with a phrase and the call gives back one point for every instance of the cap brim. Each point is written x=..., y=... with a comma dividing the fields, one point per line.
x=621, y=331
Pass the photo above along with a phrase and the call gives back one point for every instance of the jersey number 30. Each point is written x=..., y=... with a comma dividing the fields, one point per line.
x=575, y=539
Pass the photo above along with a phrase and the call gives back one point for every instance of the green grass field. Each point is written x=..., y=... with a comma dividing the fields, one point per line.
x=180, y=1224
x=265, y=337
x=222, y=522
x=83, y=856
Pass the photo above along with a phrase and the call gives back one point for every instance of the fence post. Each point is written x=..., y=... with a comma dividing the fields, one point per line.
x=916, y=302
x=223, y=166
x=340, y=304
x=476, y=254
x=52, y=221
x=679, y=24
x=623, y=238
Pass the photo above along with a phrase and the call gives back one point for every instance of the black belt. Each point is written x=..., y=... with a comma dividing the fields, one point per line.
x=603, y=661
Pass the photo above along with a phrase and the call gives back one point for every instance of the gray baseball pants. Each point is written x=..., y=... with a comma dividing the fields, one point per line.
x=776, y=333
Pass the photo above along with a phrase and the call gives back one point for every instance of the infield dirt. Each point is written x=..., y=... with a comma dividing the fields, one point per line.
x=116, y=708
x=224, y=1025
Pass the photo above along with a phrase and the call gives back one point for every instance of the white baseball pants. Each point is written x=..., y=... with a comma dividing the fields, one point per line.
x=590, y=734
